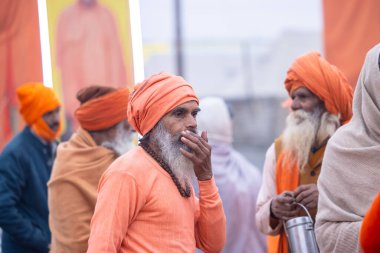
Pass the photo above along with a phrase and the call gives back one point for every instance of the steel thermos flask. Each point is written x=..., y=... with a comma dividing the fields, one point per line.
x=300, y=234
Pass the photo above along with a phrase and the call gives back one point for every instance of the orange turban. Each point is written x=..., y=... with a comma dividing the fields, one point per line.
x=35, y=100
x=104, y=111
x=324, y=80
x=156, y=96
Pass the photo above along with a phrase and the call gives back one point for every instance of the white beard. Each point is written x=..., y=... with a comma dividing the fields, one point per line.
x=303, y=130
x=170, y=146
x=122, y=142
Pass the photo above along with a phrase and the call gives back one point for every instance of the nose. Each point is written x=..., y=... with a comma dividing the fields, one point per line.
x=296, y=105
x=56, y=117
x=191, y=122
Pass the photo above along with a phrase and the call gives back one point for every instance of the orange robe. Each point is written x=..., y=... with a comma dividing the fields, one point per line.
x=88, y=51
x=370, y=229
x=288, y=179
x=72, y=191
x=139, y=209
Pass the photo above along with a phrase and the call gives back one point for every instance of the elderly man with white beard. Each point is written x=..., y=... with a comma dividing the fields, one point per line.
x=321, y=103
x=72, y=190
x=146, y=202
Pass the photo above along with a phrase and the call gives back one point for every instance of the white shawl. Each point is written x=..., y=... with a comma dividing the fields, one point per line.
x=350, y=175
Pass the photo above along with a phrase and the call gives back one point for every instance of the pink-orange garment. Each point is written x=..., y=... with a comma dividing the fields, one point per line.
x=350, y=30
x=88, y=51
x=156, y=96
x=139, y=209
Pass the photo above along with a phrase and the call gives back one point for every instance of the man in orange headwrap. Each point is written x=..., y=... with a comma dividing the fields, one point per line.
x=321, y=102
x=104, y=135
x=146, y=202
x=25, y=167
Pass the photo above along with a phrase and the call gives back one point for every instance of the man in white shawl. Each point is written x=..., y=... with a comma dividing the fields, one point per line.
x=350, y=177
x=238, y=180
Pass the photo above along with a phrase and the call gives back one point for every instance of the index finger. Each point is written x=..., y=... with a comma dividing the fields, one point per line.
x=204, y=136
x=198, y=140
x=285, y=200
x=300, y=189
x=288, y=194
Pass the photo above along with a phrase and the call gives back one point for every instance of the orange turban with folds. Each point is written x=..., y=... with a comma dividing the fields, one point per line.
x=103, y=112
x=35, y=100
x=324, y=80
x=156, y=96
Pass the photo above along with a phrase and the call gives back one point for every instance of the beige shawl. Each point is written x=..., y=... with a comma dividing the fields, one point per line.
x=72, y=191
x=350, y=177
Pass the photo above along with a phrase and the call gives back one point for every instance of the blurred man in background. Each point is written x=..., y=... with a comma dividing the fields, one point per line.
x=237, y=179
x=104, y=135
x=321, y=103
x=25, y=167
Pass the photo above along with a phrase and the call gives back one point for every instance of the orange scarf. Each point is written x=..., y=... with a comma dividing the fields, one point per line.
x=287, y=179
x=44, y=131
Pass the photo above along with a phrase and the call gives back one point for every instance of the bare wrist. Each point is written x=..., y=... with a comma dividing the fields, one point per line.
x=272, y=215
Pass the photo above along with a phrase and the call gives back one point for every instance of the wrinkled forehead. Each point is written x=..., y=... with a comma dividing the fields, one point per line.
x=301, y=90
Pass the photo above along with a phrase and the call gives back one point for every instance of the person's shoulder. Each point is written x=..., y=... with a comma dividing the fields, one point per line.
x=63, y=146
x=18, y=143
x=18, y=151
x=273, y=148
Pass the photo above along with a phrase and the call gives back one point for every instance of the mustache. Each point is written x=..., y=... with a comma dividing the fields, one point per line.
x=179, y=135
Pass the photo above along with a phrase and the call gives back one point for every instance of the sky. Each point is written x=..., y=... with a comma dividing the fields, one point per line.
x=234, y=19
x=232, y=48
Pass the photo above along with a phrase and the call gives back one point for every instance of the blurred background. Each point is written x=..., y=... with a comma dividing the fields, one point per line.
x=237, y=49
